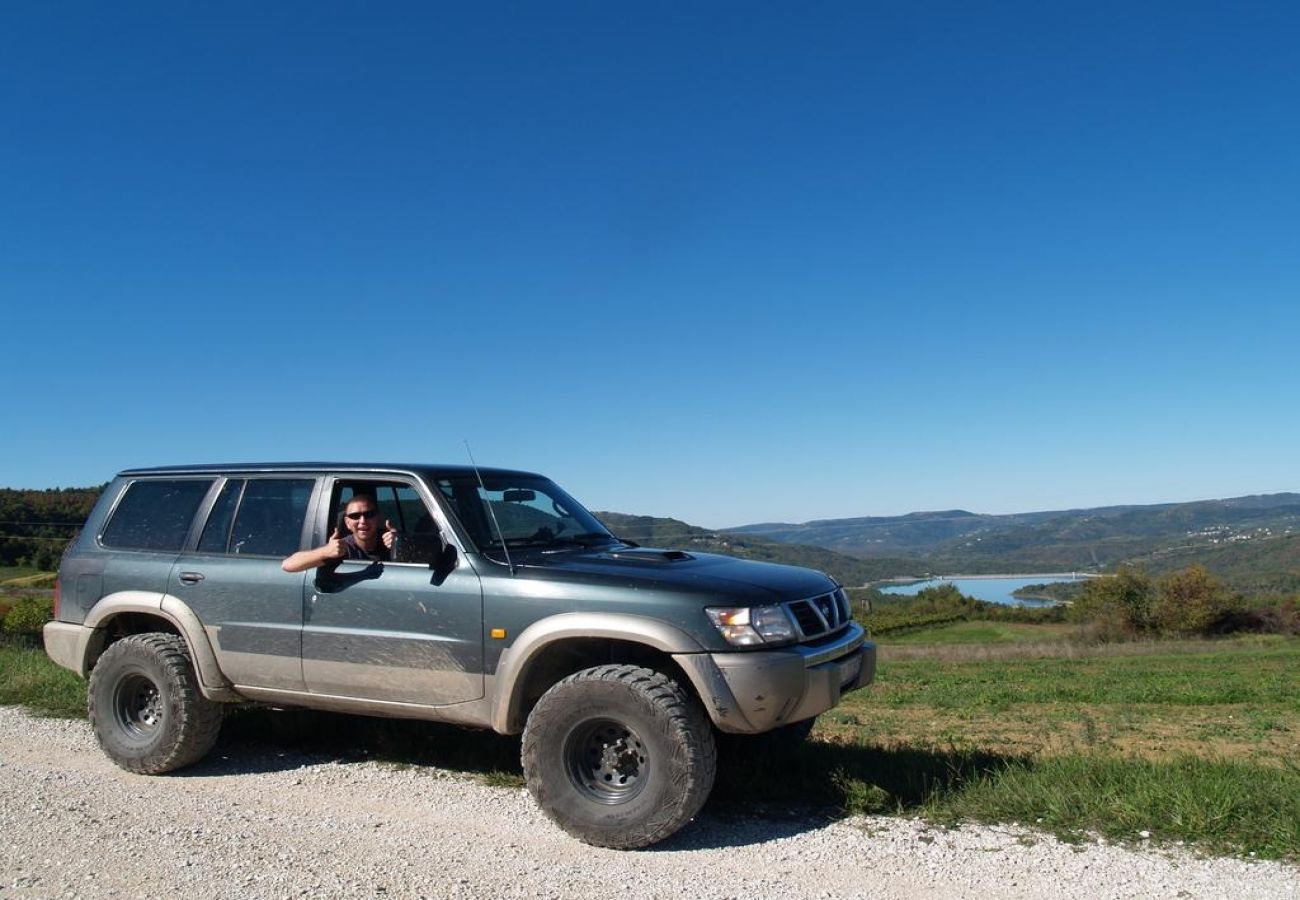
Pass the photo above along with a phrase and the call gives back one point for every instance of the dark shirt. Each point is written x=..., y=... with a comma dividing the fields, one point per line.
x=356, y=551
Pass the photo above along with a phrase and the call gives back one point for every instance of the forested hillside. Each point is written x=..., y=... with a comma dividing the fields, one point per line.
x=35, y=525
x=1234, y=535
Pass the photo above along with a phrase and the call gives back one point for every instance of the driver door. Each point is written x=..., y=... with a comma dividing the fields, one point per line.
x=393, y=631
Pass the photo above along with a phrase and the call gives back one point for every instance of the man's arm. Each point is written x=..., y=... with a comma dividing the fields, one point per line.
x=331, y=551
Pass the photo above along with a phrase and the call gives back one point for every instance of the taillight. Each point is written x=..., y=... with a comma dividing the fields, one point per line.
x=56, y=599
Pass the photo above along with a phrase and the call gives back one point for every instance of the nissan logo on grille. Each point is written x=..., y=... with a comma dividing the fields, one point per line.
x=826, y=603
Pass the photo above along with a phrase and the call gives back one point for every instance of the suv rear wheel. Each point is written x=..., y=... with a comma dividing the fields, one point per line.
x=619, y=756
x=146, y=708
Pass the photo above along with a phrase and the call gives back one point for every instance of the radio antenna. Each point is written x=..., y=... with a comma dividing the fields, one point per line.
x=491, y=511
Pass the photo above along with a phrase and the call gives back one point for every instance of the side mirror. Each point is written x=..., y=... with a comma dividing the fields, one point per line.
x=418, y=548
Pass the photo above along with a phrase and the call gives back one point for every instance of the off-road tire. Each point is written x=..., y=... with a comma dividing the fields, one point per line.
x=146, y=708
x=619, y=756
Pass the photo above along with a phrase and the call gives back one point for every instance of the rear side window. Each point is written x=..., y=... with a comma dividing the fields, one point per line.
x=155, y=515
x=270, y=517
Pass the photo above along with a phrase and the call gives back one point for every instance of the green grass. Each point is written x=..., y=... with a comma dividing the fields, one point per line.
x=28, y=678
x=982, y=633
x=1249, y=671
x=36, y=581
x=1222, y=806
x=1192, y=741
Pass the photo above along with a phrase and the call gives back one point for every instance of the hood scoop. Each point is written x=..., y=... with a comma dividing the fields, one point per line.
x=651, y=556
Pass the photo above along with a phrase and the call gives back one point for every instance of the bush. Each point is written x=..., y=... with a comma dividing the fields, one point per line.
x=1118, y=607
x=1282, y=618
x=1189, y=602
x=29, y=615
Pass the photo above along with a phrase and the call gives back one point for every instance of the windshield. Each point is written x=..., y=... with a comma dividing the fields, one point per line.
x=531, y=512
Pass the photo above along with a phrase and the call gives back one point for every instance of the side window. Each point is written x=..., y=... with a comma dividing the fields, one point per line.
x=397, y=503
x=270, y=516
x=216, y=534
x=155, y=514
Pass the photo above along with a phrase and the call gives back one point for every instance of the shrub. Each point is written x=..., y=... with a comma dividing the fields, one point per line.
x=1282, y=618
x=1118, y=607
x=1189, y=602
x=29, y=615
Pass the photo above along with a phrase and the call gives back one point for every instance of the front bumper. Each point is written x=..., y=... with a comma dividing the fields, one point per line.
x=756, y=691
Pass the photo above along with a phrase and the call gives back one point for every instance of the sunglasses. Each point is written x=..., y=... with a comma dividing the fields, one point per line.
x=357, y=516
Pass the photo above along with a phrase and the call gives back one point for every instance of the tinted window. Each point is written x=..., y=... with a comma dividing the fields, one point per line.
x=155, y=515
x=270, y=517
x=216, y=534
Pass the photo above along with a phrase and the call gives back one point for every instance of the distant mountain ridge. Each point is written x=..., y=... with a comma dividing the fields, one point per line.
x=1095, y=538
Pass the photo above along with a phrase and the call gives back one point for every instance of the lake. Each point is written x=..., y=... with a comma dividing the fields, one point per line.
x=989, y=588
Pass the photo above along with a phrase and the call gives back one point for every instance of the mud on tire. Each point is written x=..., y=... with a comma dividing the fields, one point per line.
x=146, y=708
x=619, y=756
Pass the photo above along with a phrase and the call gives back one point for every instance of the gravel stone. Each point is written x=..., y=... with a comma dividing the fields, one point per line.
x=284, y=825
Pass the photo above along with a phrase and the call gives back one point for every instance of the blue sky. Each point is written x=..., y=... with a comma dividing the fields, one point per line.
x=723, y=262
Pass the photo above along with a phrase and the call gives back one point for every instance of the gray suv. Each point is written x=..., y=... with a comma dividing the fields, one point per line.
x=504, y=605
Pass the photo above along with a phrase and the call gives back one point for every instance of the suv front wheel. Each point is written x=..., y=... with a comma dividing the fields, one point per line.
x=146, y=708
x=619, y=756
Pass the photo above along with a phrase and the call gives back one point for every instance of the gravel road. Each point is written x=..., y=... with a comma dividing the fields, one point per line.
x=257, y=822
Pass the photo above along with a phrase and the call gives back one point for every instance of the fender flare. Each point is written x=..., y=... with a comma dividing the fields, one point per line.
x=517, y=658
x=212, y=682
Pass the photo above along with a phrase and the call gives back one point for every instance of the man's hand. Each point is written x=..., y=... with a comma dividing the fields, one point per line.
x=334, y=548
x=327, y=554
x=390, y=534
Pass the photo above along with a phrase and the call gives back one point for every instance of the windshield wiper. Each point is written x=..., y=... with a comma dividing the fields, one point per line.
x=591, y=538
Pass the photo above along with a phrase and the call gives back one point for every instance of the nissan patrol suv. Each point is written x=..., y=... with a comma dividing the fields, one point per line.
x=504, y=604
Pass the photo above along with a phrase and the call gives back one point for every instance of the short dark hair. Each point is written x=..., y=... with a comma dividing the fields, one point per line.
x=369, y=498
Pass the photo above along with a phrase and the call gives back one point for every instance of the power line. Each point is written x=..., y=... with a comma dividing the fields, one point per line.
x=29, y=522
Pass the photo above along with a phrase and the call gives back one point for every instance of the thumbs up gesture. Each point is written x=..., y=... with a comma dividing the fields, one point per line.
x=390, y=534
x=334, y=548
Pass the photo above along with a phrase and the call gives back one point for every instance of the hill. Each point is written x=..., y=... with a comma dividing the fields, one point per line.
x=672, y=533
x=1261, y=566
x=36, y=524
x=1245, y=540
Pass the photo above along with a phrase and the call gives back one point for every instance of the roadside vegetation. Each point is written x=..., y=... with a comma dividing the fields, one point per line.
x=1162, y=709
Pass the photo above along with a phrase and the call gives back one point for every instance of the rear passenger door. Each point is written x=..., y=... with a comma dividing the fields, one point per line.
x=250, y=608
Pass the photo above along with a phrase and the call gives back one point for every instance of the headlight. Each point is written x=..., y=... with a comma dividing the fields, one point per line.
x=749, y=626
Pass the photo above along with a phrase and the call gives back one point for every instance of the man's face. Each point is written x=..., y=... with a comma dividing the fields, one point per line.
x=363, y=519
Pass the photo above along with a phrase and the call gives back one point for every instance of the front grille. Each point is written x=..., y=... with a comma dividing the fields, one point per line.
x=822, y=614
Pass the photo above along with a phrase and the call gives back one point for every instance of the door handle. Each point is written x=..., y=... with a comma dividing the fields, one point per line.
x=191, y=577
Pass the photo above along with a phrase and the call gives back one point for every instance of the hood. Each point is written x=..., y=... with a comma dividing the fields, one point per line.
x=703, y=573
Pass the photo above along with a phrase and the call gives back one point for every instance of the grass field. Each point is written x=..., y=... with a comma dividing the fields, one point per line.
x=1236, y=699
x=28, y=678
x=983, y=634
x=1194, y=740
x=1191, y=741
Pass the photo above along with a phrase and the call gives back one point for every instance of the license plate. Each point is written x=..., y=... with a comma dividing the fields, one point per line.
x=850, y=668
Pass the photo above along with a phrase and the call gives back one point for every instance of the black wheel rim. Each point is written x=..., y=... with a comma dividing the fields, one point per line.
x=606, y=760
x=137, y=706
